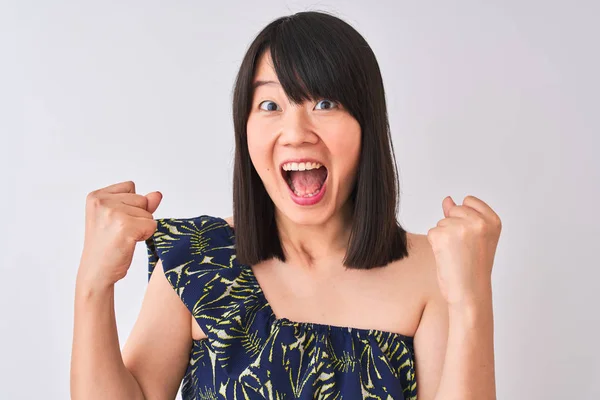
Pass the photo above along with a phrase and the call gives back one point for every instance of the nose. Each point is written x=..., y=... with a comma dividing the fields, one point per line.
x=297, y=127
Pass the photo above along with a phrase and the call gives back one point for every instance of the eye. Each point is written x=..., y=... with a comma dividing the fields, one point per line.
x=270, y=106
x=332, y=104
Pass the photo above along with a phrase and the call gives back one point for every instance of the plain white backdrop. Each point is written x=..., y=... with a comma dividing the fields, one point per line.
x=498, y=99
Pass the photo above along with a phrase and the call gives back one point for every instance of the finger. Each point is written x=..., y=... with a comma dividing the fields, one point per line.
x=449, y=221
x=447, y=205
x=153, y=200
x=121, y=187
x=465, y=212
x=133, y=211
x=482, y=207
x=146, y=228
x=131, y=199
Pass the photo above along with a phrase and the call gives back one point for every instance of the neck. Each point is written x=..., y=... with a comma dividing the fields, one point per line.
x=313, y=245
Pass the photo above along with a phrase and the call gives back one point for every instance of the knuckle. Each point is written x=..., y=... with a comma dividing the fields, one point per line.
x=147, y=233
x=120, y=223
x=112, y=214
x=462, y=231
x=102, y=202
x=94, y=201
x=130, y=185
x=480, y=225
x=497, y=221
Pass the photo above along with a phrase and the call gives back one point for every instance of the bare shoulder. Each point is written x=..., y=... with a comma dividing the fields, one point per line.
x=229, y=220
x=410, y=283
x=422, y=263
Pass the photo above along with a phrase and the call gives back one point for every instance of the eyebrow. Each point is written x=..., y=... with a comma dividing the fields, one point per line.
x=261, y=83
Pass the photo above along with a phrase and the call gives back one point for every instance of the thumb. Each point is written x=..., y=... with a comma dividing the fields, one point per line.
x=154, y=199
x=447, y=203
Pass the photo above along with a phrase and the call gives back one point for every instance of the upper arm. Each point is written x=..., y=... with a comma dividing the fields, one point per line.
x=431, y=337
x=158, y=349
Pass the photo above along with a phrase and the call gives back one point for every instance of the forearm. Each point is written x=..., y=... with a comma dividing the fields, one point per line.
x=97, y=368
x=468, y=371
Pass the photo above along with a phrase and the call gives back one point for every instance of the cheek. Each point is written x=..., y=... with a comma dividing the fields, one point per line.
x=345, y=137
x=345, y=146
x=259, y=149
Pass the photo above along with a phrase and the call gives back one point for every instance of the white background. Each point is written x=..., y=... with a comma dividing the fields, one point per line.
x=498, y=99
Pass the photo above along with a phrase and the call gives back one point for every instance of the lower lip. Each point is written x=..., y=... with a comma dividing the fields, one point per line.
x=308, y=201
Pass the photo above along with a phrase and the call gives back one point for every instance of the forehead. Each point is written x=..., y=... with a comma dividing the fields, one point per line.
x=266, y=77
x=265, y=71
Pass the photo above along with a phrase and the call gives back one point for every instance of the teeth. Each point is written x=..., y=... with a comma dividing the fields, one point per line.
x=303, y=166
x=307, y=195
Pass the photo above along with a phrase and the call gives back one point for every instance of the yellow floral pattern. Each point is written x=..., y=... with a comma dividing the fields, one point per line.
x=251, y=354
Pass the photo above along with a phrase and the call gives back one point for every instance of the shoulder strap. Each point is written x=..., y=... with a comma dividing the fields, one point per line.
x=198, y=258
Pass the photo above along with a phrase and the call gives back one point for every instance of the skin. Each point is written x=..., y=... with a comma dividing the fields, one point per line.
x=440, y=293
x=313, y=285
x=153, y=361
x=320, y=129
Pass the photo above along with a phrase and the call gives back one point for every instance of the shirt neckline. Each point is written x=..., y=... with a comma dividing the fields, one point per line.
x=313, y=325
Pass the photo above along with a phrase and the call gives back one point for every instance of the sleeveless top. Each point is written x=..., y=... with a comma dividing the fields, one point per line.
x=249, y=352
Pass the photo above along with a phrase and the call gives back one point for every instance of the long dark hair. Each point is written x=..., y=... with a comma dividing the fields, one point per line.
x=317, y=55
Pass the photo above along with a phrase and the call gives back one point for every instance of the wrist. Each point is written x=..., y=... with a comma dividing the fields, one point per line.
x=472, y=312
x=87, y=287
x=471, y=296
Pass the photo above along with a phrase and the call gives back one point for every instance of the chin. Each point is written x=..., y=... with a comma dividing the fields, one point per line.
x=306, y=217
x=316, y=214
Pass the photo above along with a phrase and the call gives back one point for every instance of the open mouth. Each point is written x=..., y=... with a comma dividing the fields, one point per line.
x=305, y=179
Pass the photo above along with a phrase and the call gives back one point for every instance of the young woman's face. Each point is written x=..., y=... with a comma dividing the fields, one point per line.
x=306, y=155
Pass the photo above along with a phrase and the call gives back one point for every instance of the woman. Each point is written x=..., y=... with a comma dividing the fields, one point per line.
x=312, y=289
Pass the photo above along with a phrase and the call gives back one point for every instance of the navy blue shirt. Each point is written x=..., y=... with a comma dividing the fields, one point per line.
x=251, y=354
